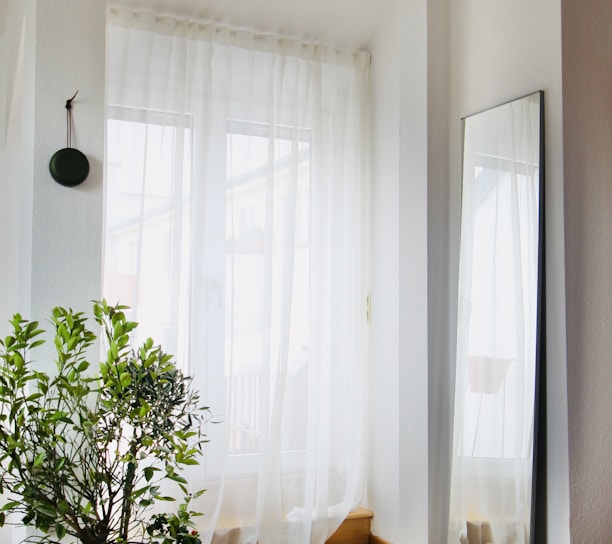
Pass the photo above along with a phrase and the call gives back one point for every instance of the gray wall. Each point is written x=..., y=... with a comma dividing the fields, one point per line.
x=587, y=135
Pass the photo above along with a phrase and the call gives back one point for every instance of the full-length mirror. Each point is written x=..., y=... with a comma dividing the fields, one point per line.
x=498, y=326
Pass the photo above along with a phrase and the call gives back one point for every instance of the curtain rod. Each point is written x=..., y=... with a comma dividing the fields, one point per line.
x=226, y=34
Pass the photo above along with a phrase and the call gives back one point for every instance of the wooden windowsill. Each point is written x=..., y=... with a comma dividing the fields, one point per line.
x=360, y=512
x=355, y=529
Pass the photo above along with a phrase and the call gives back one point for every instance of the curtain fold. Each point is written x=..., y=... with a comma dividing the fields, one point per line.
x=236, y=229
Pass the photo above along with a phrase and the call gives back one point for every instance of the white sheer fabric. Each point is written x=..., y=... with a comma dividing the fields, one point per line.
x=237, y=190
x=496, y=337
x=14, y=131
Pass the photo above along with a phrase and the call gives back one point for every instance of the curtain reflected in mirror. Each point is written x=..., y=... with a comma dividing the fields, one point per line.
x=498, y=325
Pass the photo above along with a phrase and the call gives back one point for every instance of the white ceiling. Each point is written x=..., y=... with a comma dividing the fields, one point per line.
x=342, y=23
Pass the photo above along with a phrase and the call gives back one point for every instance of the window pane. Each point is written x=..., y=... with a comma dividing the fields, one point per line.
x=267, y=263
x=147, y=213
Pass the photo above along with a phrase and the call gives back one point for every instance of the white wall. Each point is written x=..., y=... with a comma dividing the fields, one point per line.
x=454, y=58
x=52, y=234
x=412, y=292
x=587, y=117
x=399, y=409
x=67, y=222
x=502, y=50
x=383, y=477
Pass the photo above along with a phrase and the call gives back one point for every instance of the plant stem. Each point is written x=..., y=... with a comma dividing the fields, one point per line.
x=128, y=488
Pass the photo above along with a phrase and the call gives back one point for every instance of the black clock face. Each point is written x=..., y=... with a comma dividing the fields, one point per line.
x=69, y=167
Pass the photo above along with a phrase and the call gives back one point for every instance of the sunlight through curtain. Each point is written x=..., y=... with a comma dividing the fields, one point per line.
x=236, y=229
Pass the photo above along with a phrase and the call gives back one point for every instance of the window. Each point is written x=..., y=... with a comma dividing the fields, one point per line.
x=260, y=162
x=148, y=218
x=147, y=214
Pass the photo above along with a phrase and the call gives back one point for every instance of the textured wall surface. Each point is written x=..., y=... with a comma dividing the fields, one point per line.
x=67, y=222
x=51, y=235
x=587, y=106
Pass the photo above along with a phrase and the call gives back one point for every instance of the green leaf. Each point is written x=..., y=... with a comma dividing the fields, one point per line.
x=60, y=530
x=149, y=472
x=188, y=461
x=139, y=492
x=125, y=379
x=39, y=460
x=62, y=507
x=176, y=478
x=46, y=510
x=10, y=505
x=59, y=416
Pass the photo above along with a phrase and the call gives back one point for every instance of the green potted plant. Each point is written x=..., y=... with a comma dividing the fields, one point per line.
x=84, y=452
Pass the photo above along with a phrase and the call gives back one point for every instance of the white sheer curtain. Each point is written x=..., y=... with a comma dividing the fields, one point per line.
x=496, y=337
x=14, y=191
x=236, y=228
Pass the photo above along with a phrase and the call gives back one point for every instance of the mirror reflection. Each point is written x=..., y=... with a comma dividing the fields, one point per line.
x=497, y=328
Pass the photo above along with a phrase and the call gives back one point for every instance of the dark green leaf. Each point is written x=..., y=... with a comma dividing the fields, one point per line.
x=46, y=510
x=149, y=472
x=63, y=506
x=60, y=530
x=176, y=478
